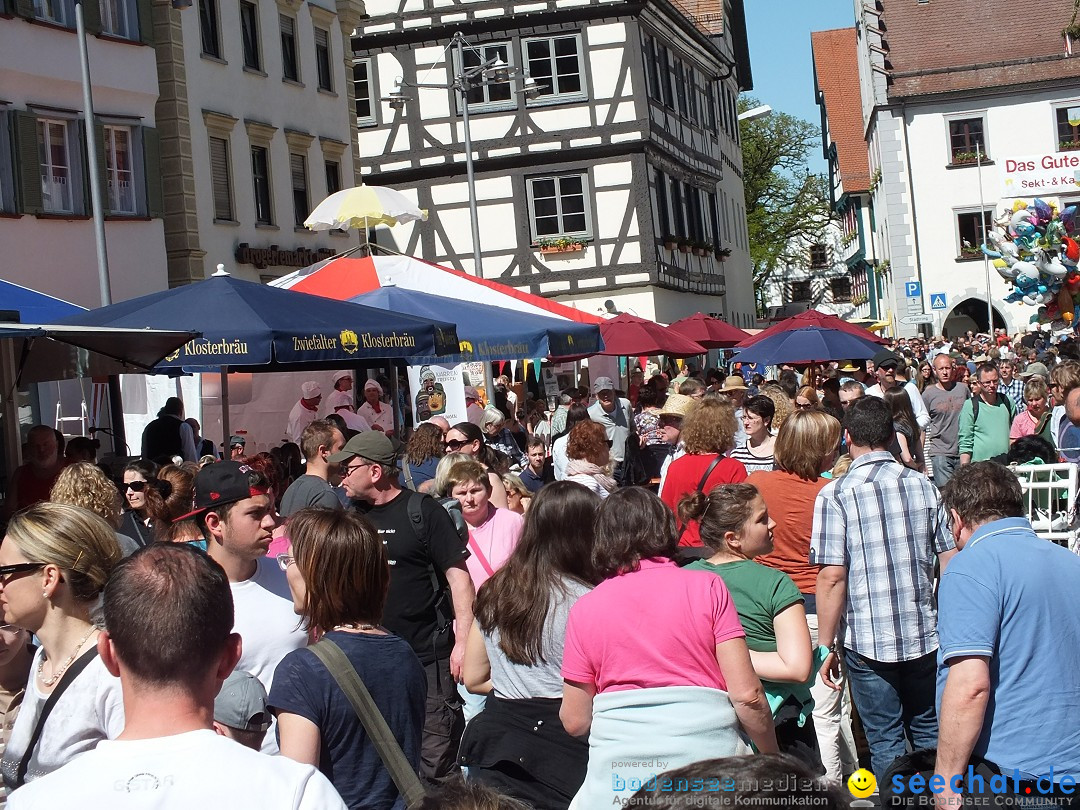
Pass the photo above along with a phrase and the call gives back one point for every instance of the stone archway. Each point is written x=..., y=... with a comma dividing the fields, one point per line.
x=970, y=314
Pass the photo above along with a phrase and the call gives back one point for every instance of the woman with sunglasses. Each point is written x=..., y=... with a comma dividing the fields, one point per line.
x=145, y=504
x=339, y=577
x=807, y=399
x=467, y=438
x=54, y=562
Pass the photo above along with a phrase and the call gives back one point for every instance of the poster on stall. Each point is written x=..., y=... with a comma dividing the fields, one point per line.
x=438, y=391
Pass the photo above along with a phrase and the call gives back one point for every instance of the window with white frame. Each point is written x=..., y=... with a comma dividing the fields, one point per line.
x=363, y=89
x=967, y=140
x=1067, y=125
x=119, y=18
x=555, y=64
x=322, y=59
x=119, y=171
x=970, y=232
x=558, y=205
x=55, y=155
x=484, y=95
x=221, y=179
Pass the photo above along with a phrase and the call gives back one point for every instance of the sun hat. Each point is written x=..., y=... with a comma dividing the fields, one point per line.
x=734, y=382
x=677, y=405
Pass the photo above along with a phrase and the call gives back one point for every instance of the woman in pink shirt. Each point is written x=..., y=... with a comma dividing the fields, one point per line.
x=656, y=667
x=1037, y=399
x=493, y=532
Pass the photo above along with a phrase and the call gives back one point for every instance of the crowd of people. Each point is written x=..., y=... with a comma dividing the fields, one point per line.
x=709, y=575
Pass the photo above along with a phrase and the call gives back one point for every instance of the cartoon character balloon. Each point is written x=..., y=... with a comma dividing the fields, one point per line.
x=1035, y=247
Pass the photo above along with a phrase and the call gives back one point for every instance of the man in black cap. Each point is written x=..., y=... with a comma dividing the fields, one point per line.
x=427, y=559
x=234, y=507
x=885, y=365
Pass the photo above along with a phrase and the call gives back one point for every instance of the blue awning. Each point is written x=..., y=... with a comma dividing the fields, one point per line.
x=33, y=306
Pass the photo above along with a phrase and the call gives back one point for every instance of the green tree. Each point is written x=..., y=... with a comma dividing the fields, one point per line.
x=787, y=207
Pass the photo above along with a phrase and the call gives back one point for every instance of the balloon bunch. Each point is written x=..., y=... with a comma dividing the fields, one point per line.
x=1035, y=247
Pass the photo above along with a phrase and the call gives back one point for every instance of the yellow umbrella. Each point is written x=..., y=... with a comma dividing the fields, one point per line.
x=363, y=207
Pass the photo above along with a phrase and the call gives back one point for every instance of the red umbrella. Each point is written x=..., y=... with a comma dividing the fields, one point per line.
x=712, y=333
x=812, y=318
x=629, y=336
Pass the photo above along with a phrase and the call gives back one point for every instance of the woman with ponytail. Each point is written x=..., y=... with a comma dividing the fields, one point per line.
x=735, y=523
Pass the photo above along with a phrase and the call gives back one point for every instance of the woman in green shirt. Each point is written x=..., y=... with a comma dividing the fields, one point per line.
x=735, y=523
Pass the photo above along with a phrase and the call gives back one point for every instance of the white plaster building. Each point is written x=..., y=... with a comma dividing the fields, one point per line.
x=941, y=81
x=46, y=233
x=256, y=124
x=632, y=137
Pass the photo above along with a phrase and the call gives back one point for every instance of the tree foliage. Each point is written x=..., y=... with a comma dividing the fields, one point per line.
x=787, y=207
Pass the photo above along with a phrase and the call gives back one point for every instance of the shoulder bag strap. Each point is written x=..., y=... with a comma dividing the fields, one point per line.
x=71, y=674
x=701, y=488
x=408, y=475
x=480, y=556
x=343, y=672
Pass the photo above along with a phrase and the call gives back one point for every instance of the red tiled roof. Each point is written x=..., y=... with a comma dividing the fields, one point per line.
x=837, y=67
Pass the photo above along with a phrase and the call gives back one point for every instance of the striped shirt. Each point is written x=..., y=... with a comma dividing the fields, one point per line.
x=884, y=523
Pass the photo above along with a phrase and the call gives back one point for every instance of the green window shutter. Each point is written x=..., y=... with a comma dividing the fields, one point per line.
x=25, y=8
x=155, y=196
x=28, y=163
x=146, y=21
x=103, y=172
x=91, y=16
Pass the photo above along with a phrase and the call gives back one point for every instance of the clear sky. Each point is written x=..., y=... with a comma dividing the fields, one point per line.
x=783, y=30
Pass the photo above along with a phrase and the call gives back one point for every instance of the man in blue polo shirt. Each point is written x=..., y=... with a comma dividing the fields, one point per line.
x=1009, y=633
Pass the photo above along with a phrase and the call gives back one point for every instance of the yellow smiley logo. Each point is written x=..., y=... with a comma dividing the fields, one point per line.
x=861, y=783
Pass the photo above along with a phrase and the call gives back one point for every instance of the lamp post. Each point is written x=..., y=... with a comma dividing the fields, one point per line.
x=97, y=209
x=489, y=71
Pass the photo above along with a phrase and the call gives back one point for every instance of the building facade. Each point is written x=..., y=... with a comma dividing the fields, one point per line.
x=619, y=129
x=256, y=124
x=45, y=211
x=943, y=113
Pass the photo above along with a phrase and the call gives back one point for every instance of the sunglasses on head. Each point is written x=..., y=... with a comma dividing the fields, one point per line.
x=135, y=486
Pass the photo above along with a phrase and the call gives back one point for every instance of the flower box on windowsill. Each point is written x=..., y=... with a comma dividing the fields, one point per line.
x=558, y=249
x=564, y=245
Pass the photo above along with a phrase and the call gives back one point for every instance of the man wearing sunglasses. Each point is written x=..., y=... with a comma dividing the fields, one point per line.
x=422, y=543
x=234, y=507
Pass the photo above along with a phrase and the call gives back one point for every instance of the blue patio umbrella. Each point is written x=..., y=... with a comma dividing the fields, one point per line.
x=488, y=332
x=34, y=306
x=254, y=327
x=810, y=345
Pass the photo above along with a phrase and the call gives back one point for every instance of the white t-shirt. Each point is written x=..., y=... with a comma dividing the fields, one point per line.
x=266, y=622
x=91, y=709
x=194, y=769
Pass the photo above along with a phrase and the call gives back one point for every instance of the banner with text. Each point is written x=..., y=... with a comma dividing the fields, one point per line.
x=438, y=391
x=1039, y=175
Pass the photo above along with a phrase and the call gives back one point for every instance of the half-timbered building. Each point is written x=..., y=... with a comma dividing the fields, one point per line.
x=608, y=165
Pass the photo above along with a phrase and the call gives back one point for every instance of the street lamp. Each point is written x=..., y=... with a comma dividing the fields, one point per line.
x=489, y=71
x=756, y=112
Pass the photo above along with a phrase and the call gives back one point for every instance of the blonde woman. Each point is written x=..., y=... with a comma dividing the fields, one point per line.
x=84, y=484
x=54, y=562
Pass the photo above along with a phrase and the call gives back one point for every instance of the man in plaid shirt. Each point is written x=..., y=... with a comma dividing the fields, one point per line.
x=1010, y=385
x=876, y=531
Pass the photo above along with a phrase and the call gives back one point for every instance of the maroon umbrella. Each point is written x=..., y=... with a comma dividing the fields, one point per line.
x=809, y=319
x=629, y=336
x=712, y=333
